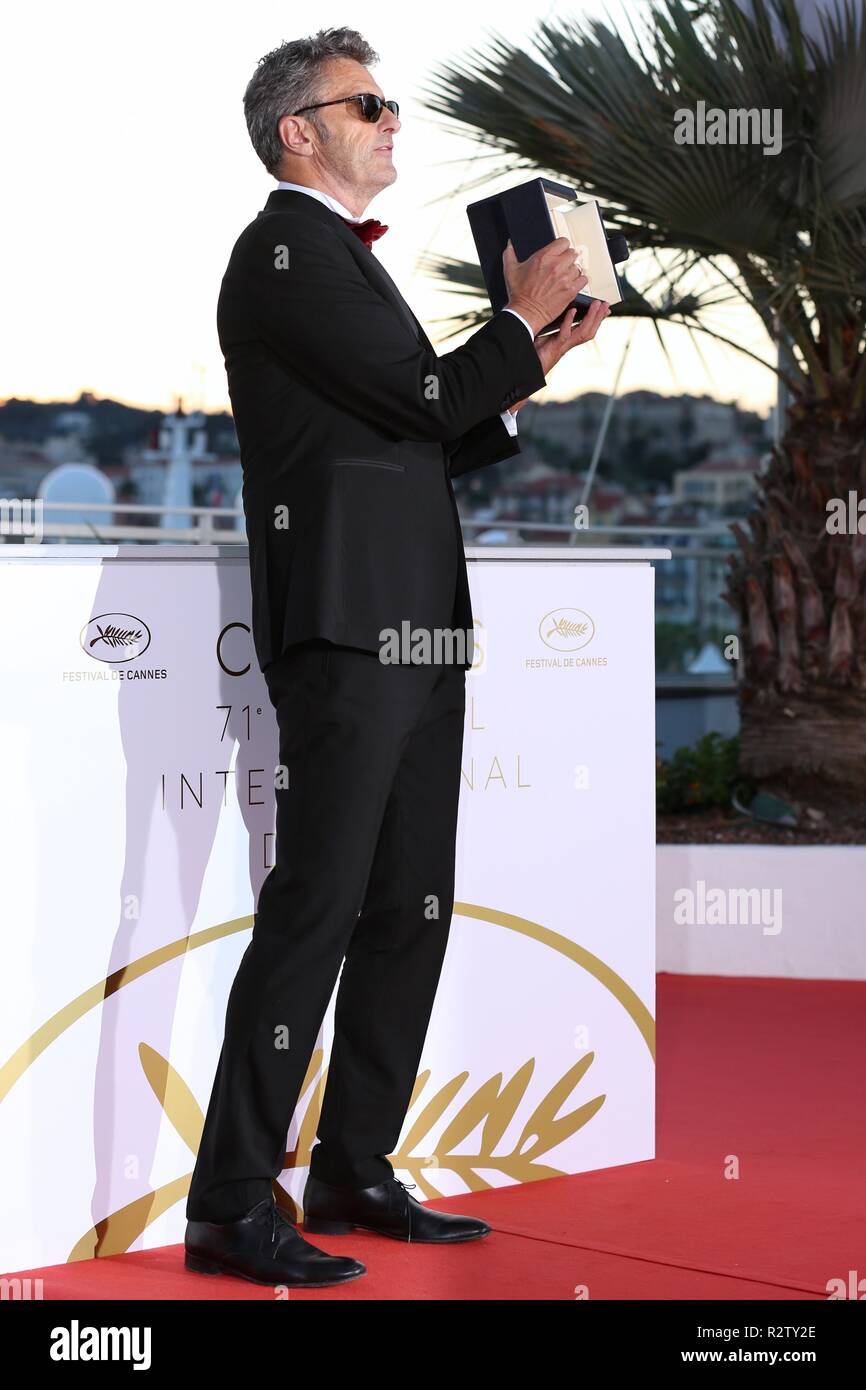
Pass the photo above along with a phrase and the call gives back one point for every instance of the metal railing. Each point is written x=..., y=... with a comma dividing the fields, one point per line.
x=202, y=531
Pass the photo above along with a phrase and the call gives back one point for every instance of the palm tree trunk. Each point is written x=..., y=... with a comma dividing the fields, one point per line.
x=798, y=584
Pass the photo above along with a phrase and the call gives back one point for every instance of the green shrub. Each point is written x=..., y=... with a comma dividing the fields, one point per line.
x=700, y=777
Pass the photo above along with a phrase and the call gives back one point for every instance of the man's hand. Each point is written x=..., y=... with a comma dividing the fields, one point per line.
x=540, y=287
x=556, y=345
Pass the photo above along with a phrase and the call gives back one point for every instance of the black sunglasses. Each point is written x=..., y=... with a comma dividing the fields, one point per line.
x=371, y=106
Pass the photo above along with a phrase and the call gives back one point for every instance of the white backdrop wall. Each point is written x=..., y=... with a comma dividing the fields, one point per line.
x=136, y=826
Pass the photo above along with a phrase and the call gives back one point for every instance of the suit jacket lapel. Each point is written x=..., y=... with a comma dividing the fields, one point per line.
x=381, y=280
x=375, y=272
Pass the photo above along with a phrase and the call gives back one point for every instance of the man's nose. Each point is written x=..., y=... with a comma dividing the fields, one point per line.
x=388, y=121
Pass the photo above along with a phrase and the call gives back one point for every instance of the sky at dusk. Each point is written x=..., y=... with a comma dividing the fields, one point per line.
x=127, y=175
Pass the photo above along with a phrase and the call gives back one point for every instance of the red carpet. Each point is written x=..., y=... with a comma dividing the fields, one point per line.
x=770, y=1074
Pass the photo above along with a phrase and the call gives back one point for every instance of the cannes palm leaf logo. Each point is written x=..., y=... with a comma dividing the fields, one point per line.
x=492, y=1107
x=115, y=637
x=566, y=629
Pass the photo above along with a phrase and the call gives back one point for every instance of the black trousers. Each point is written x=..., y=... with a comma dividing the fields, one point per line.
x=364, y=869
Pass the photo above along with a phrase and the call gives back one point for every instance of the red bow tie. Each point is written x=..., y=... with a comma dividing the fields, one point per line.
x=368, y=231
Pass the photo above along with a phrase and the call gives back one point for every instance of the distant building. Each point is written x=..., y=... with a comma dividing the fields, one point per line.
x=722, y=484
x=175, y=460
x=77, y=422
x=539, y=492
x=177, y=469
x=674, y=423
x=23, y=466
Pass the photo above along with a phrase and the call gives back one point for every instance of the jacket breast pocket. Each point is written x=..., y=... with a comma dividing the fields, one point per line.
x=373, y=463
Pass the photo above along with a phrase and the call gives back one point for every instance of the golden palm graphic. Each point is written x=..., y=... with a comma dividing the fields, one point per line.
x=565, y=627
x=492, y=1105
x=115, y=1233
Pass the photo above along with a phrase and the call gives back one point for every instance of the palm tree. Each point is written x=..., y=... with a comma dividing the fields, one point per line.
x=783, y=233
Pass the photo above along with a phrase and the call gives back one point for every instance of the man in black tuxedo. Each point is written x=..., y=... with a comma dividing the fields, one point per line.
x=351, y=429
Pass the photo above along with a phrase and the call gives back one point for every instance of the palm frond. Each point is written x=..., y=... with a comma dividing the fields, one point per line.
x=597, y=108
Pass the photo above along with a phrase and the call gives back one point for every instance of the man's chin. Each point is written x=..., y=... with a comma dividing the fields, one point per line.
x=385, y=178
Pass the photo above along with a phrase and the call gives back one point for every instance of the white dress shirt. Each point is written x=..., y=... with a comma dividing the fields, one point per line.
x=509, y=420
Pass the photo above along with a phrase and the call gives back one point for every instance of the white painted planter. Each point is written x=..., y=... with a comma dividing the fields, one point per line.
x=795, y=911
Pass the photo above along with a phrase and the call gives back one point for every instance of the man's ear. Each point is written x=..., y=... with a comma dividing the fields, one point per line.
x=293, y=135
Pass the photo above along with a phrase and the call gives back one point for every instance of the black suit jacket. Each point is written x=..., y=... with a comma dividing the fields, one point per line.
x=350, y=429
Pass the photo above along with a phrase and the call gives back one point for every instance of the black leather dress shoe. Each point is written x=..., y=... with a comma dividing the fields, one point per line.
x=266, y=1249
x=386, y=1209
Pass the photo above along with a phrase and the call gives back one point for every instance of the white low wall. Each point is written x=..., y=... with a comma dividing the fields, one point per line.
x=807, y=919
